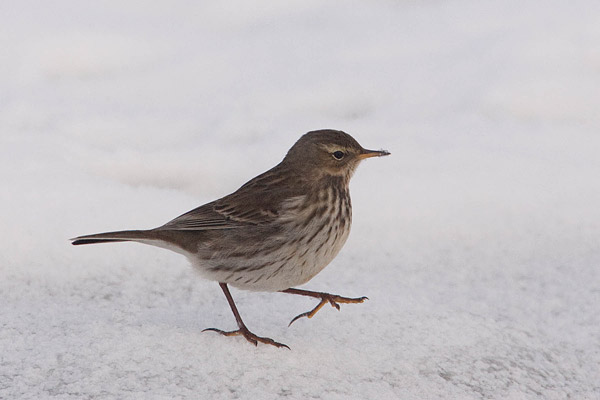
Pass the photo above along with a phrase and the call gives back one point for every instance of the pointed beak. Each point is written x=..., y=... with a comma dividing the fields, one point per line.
x=372, y=153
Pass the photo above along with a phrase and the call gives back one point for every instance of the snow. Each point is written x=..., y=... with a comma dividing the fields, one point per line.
x=476, y=241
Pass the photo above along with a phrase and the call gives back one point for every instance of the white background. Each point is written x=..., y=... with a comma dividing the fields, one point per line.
x=477, y=241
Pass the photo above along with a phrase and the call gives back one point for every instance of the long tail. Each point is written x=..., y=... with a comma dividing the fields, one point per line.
x=119, y=236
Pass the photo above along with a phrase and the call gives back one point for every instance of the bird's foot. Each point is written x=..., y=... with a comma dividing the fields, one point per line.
x=332, y=299
x=251, y=337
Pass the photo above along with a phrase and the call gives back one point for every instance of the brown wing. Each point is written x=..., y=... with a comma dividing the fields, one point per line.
x=258, y=202
x=201, y=218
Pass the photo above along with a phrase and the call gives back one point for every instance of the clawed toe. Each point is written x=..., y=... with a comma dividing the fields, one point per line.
x=325, y=298
x=251, y=337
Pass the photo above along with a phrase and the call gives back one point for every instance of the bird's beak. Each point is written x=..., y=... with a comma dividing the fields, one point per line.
x=372, y=153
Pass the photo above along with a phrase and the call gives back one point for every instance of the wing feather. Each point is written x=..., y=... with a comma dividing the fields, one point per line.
x=258, y=202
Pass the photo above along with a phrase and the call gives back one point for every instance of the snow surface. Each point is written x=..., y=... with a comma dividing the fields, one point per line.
x=477, y=241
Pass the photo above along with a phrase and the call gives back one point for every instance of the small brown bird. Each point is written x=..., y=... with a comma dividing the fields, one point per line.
x=277, y=231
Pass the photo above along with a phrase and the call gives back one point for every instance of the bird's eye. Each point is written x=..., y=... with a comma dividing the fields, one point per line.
x=338, y=155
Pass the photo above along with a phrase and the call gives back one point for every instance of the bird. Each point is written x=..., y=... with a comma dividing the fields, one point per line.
x=276, y=232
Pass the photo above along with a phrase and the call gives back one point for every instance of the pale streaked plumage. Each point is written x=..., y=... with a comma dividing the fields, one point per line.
x=277, y=231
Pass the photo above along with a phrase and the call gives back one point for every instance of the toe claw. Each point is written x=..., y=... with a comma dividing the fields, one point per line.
x=214, y=330
x=297, y=317
x=250, y=337
x=332, y=299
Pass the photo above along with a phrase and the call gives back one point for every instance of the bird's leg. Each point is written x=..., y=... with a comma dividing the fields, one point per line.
x=332, y=299
x=251, y=337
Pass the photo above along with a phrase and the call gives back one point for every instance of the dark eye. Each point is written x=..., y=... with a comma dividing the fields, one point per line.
x=338, y=155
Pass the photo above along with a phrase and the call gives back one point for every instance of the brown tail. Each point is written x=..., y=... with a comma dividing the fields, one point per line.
x=120, y=236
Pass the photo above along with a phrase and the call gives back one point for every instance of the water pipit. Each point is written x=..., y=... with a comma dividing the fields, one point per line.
x=277, y=231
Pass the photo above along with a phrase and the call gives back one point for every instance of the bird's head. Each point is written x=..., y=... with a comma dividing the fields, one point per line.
x=329, y=152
